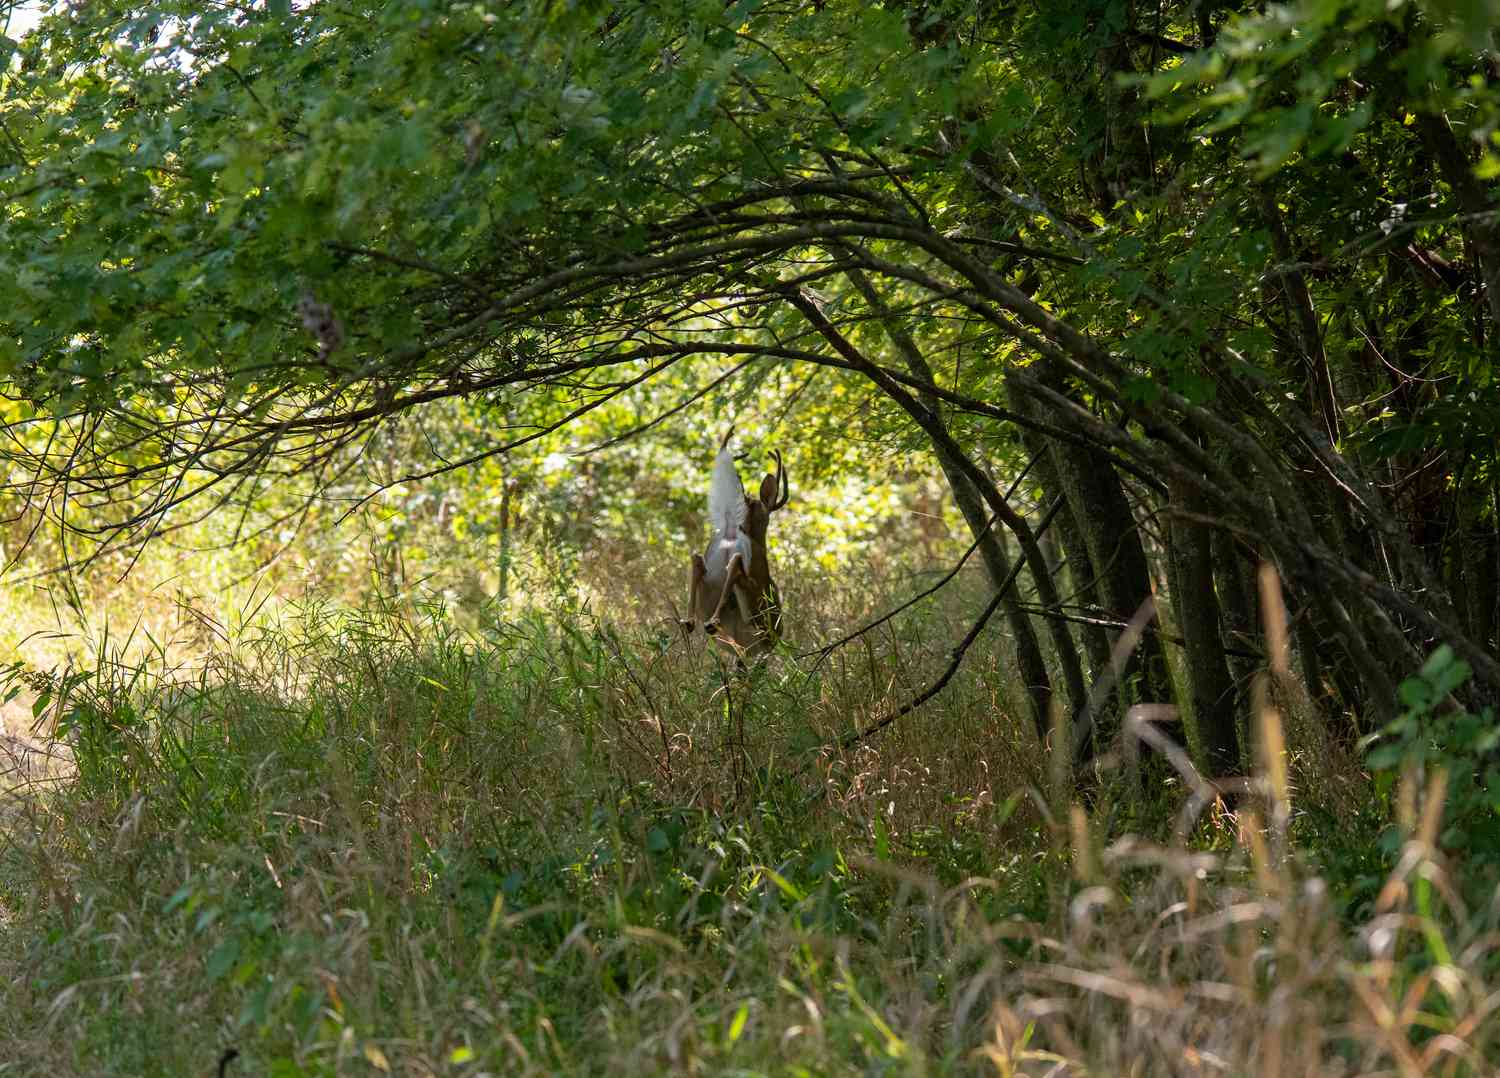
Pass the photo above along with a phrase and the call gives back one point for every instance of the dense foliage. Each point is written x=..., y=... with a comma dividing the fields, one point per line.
x=1226, y=269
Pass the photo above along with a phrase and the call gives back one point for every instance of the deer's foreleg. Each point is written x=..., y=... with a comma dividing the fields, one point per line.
x=696, y=572
x=734, y=573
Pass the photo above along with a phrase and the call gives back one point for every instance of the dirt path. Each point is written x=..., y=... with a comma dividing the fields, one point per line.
x=27, y=758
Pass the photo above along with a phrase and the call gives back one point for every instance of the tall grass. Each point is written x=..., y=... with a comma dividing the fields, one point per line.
x=372, y=842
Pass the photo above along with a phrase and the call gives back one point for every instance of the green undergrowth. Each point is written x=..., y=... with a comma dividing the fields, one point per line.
x=372, y=843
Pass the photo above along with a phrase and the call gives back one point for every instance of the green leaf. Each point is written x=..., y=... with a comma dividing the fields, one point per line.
x=1386, y=757
x=1416, y=693
x=737, y=1024
x=222, y=959
x=1438, y=662
x=1005, y=809
x=786, y=887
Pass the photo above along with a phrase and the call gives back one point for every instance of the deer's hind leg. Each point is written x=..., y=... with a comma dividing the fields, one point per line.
x=734, y=573
x=696, y=572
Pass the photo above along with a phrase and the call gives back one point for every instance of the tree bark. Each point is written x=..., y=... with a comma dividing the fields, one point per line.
x=1297, y=301
x=1083, y=579
x=1478, y=221
x=1210, y=688
x=1097, y=501
x=1474, y=562
x=1235, y=591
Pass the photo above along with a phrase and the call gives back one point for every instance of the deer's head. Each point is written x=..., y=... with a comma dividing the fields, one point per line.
x=775, y=489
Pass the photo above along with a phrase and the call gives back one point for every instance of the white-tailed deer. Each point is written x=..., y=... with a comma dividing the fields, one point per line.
x=730, y=587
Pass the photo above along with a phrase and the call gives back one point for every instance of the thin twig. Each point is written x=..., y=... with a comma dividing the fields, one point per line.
x=958, y=652
x=827, y=649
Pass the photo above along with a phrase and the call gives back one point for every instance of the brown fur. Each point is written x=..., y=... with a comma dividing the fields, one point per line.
x=744, y=610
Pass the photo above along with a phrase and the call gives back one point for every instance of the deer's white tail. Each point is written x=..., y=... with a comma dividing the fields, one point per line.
x=726, y=497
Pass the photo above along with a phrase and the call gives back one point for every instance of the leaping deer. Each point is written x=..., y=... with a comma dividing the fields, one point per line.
x=735, y=564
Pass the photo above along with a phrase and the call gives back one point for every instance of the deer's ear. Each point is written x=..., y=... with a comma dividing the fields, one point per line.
x=768, y=490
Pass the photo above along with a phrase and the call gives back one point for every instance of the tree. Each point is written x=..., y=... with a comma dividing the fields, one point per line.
x=1234, y=270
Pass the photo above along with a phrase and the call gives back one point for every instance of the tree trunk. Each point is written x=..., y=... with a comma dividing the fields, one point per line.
x=1030, y=664
x=1234, y=587
x=1097, y=502
x=1297, y=301
x=1478, y=221
x=1210, y=688
x=1472, y=566
x=1082, y=577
